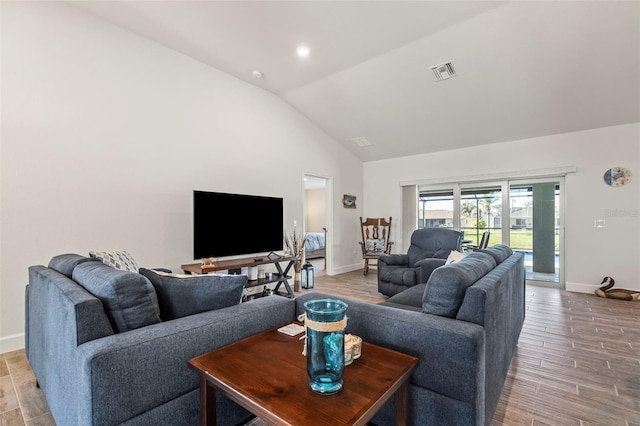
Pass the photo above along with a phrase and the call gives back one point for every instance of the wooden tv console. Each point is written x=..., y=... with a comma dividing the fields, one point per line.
x=280, y=277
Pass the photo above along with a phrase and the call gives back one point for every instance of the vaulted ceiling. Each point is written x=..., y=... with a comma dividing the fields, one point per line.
x=524, y=68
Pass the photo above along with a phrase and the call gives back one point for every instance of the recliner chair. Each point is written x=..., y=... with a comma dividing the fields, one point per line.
x=429, y=250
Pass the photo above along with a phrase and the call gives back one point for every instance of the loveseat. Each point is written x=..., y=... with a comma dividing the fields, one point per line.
x=93, y=371
x=463, y=325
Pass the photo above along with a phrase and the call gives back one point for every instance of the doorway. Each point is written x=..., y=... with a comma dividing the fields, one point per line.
x=315, y=222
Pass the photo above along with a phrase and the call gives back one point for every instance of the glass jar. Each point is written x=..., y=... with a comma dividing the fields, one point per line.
x=325, y=323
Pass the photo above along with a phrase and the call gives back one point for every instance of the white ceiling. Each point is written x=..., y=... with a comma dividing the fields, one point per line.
x=525, y=68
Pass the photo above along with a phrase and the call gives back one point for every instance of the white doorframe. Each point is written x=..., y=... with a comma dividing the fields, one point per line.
x=328, y=219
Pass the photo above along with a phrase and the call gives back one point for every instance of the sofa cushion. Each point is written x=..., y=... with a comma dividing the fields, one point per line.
x=499, y=252
x=128, y=298
x=409, y=299
x=118, y=259
x=66, y=263
x=399, y=275
x=446, y=286
x=179, y=296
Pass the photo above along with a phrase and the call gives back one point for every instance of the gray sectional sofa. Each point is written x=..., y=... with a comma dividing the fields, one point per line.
x=93, y=375
x=463, y=325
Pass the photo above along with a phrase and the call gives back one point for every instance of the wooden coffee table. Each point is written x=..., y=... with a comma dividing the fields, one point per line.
x=267, y=375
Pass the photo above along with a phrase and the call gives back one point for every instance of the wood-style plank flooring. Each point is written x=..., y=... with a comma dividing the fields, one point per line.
x=577, y=362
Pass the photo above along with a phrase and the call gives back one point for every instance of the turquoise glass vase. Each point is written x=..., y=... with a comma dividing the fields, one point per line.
x=325, y=322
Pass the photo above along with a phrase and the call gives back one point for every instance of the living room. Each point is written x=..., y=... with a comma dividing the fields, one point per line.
x=106, y=133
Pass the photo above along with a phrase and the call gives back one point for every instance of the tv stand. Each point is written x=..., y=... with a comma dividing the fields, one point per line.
x=280, y=277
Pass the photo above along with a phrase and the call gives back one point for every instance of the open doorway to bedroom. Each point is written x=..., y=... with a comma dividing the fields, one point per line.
x=315, y=223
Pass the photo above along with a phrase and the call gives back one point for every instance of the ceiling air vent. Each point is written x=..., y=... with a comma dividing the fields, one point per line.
x=443, y=71
x=362, y=141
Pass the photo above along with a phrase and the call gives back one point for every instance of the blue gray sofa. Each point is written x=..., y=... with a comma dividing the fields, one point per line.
x=463, y=325
x=91, y=374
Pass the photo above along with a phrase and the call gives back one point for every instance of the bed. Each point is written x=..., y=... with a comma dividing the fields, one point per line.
x=315, y=246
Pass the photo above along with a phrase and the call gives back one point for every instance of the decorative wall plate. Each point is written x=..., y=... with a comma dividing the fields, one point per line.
x=617, y=176
x=349, y=201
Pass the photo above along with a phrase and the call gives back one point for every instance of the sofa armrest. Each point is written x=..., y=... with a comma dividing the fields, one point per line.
x=393, y=259
x=451, y=352
x=144, y=368
x=56, y=305
x=425, y=268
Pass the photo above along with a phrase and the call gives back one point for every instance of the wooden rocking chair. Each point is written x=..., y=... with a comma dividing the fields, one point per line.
x=376, y=234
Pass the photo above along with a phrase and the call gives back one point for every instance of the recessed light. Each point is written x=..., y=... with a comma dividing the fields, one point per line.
x=257, y=74
x=303, y=51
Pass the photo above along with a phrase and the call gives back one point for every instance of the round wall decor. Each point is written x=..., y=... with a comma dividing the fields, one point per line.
x=617, y=176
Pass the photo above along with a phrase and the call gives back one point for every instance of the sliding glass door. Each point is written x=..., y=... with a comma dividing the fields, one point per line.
x=535, y=227
x=526, y=215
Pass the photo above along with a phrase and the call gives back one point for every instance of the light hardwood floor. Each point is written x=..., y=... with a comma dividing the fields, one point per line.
x=577, y=362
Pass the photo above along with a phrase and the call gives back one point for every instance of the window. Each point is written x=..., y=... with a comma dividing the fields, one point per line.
x=435, y=209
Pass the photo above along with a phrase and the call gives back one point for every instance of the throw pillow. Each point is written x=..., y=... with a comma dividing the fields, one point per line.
x=447, y=285
x=454, y=256
x=118, y=259
x=375, y=244
x=66, y=263
x=179, y=296
x=128, y=298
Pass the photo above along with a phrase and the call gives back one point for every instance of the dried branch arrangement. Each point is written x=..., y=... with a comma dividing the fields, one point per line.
x=294, y=244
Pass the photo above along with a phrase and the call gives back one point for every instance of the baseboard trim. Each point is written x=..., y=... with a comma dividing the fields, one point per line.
x=347, y=268
x=581, y=287
x=11, y=343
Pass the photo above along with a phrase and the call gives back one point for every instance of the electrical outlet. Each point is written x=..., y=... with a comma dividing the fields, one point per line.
x=598, y=223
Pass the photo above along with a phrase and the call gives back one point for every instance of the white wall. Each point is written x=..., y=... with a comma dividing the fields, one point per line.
x=590, y=253
x=316, y=209
x=106, y=134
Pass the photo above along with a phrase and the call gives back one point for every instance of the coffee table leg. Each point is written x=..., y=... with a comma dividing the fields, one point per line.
x=207, y=403
x=402, y=404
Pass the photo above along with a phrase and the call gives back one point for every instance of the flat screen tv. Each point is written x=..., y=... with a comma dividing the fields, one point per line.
x=235, y=224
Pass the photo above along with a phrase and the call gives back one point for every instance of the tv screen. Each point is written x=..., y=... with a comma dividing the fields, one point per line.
x=235, y=224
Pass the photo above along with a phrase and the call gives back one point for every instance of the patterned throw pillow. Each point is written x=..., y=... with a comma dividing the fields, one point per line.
x=119, y=259
x=375, y=244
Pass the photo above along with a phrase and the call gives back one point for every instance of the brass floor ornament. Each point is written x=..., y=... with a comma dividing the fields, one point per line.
x=617, y=293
